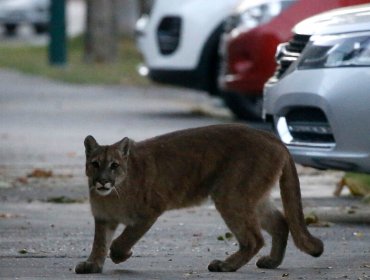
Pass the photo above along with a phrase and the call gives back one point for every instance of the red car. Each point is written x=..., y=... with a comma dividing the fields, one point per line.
x=249, y=44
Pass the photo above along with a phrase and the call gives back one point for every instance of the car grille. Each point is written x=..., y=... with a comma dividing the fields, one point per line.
x=306, y=126
x=288, y=53
x=231, y=22
x=168, y=35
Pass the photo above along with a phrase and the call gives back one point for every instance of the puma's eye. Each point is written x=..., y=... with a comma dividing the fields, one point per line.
x=95, y=164
x=114, y=165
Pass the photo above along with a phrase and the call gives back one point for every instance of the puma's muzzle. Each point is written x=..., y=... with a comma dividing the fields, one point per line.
x=105, y=189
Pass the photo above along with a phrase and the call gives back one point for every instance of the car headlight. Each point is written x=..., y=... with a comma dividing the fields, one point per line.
x=248, y=17
x=331, y=51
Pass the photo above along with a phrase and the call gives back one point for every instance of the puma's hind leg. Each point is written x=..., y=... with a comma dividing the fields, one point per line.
x=273, y=221
x=244, y=224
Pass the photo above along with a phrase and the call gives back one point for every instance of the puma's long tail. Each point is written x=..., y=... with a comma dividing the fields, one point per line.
x=291, y=197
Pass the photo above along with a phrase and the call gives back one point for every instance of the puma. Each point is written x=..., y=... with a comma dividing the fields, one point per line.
x=133, y=183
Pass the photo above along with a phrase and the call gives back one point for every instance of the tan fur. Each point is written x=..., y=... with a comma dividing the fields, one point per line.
x=233, y=164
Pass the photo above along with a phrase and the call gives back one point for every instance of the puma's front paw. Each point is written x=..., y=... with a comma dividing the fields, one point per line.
x=118, y=256
x=268, y=262
x=220, y=266
x=88, y=267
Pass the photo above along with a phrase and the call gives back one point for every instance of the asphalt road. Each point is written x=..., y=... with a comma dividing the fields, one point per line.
x=43, y=125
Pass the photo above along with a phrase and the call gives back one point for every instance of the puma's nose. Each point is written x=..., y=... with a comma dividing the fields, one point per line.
x=102, y=181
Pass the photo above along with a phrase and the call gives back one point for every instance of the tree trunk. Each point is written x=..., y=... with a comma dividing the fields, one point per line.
x=127, y=17
x=102, y=38
x=145, y=6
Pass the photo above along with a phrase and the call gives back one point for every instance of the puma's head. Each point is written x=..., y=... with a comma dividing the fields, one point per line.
x=106, y=166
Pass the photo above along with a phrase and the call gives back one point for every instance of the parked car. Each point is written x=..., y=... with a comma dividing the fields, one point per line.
x=249, y=43
x=179, y=42
x=16, y=12
x=318, y=99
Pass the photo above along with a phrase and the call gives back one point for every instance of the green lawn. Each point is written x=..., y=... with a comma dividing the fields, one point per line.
x=34, y=60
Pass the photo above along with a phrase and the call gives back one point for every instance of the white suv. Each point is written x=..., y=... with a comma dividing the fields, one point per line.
x=16, y=12
x=179, y=41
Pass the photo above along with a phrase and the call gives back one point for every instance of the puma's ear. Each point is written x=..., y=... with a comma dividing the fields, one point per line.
x=124, y=146
x=90, y=145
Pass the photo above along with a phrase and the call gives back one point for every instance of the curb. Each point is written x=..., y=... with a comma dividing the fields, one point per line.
x=350, y=215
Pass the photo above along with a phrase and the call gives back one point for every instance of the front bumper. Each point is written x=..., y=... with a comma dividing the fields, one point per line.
x=337, y=137
x=176, y=77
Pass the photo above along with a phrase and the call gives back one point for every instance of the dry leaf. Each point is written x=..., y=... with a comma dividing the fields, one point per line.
x=22, y=180
x=40, y=173
x=8, y=215
x=63, y=199
x=358, y=234
x=311, y=218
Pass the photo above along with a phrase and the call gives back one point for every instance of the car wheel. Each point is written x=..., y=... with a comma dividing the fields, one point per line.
x=40, y=28
x=10, y=29
x=243, y=107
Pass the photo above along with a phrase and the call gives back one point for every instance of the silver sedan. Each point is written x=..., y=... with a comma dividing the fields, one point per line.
x=319, y=98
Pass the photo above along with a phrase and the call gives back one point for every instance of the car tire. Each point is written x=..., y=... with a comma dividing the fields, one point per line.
x=10, y=29
x=243, y=107
x=40, y=28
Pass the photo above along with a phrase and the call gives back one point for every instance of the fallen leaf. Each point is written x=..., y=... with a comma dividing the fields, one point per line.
x=311, y=218
x=8, y=215
x=23, y=251
x=22, y=180
x=228, y=235
x=63, y=199
x=285, y=275
x=358, y=234
x=357, y=183
x=199, y=112
x=40, y=173
x=351, y=211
